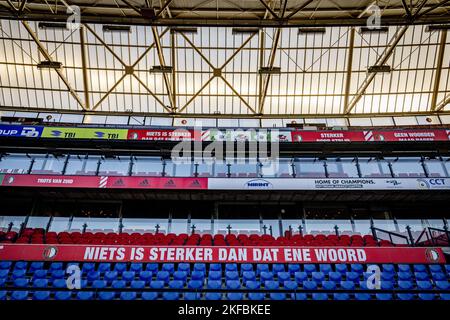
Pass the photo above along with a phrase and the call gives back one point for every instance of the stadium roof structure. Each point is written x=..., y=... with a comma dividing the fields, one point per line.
x=222, y=58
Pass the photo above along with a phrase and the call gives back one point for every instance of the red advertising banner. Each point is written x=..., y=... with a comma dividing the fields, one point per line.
x=164, y=135
x=33, y=180
x=370, y=135
x=220, y=254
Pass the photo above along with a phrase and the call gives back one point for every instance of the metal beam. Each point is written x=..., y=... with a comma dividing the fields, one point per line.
x=87, y=101
x=174, y=70
x=436, y=6
x=163, y=8
x=163, y=63
x=151, y=93
x=443, y=103
x=303, y=6
x=268, y=8
x=129, y=4
x=109, y=91
x=349, y=67
x=381, y=61
x=437, y=77
x=47, y=56
x=105, y=45
x=405, y=6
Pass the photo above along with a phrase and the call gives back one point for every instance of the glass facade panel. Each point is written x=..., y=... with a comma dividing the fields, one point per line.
x=205, y=168
x=82, y=165
x=238, y=226
x=147, y=166
x=328, y=226
x=117, y=166
x=342, y=168
x=15, y=220
x=277, y=169
x=60, y=224
x=15, y=163
x=220, y=169
x=309, y=168
x=407, y=167
x=435, y=168
x=202, y=226
x=145, y=225
x=95, y=224
x=244, y=168
x=374, y=168
x=48, y=164
x=179, y=168
x=179, y=226
x=272, y=227
x=37, y=222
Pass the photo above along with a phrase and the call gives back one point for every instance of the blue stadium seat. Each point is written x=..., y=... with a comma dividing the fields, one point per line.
x=19, y=273
x=420, y=268
x=215, y=267
x=169, y=267
x=341, y=296
x=110, y=276
x=57, y=274
x=99, y=284
x=357, y=267
x=309, y=268
x=329, y=285
x=215, y=275
x=438, y=276
x=93, y=275
x=128, y=295
x=404, y=268
x=335, y=276
x=213, y=296
x=421, y=276
x=128, y=275
x=445, y=296
x=157, y=284
x=278, y=267
x=63, y=295
x=5, y=265
x=277, y=296
x=40, y=274
x=231, y=275
x=231, y=267
x=214, y=284
x=405, y=285
x=85, y=295
x=195, y=284
x=387, y=285
x=352, y=276
x=252, y=285
x=200, y=267
x=2, y=282
x=198, y=275
x=41, y=295
x=262, y=267
x=21, y=265
x=180, y=275
x=136, y=267
x=383, y=296
x=40, y=283
x=233, y=284
x=246, y=267
x=19, y=295
x=427, y=296
x=318, y=276
x=341, y=268
x=118, y=284
x=405, y=296
x=309, y=285
x=362, y=296
x=447, y=268
x=363, y=285
x=387, y=276
x=137, y=284
x=176, y=284
x=59, y=283
x=4, y=273
x=271, y=285
x=293, y=268
x=248, y=276
x=300, y=276
x=325, y=268
x=299, y=296
x=442, y=285
x=192, y=296
x=153, y=267
x=88, y=267
x=145, y=276
x=149, y=295
x=266, y=276
x=290, y=285
x=21, y=283
x=163, y=276
x=406, y=276
x=389, y=268
x=256, y=296
x=435, y=268
x=283, y=276
x=320, y=296
x=36, y=265
x=55, y=266
x=120, y=267
x=235, y=296
x=184, y=267
x=104, y=267
x=348, y=285
x=106, y=295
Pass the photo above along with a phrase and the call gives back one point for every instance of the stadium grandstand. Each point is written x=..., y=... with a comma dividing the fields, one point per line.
x=256, y=150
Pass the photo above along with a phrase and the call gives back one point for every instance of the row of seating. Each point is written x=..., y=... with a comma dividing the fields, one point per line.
x=38, y=236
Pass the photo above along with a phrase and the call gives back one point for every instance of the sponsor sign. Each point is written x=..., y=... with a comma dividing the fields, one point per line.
x=20, y=131
x=207, y=254
x=164, y=135
x=84, y=133
x=406, y=135
x=327, y=136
